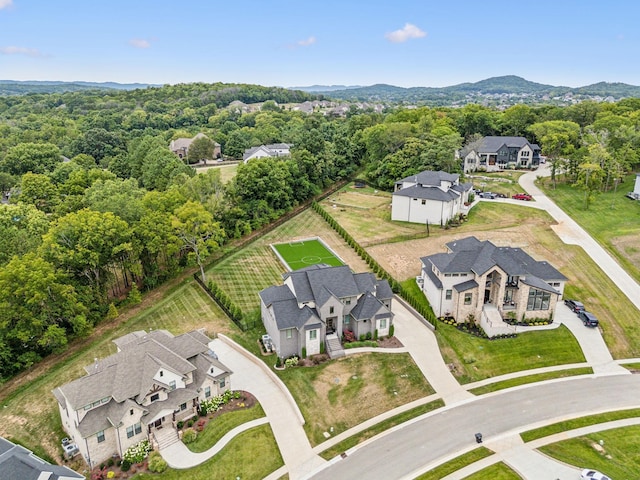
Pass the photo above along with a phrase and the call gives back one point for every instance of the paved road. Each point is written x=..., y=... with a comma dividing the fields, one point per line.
x=401, y=453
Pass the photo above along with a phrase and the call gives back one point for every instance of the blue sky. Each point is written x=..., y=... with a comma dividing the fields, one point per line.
x=303, y=42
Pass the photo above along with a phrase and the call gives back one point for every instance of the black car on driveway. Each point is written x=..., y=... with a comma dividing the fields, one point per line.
x=588, y=319
x=574, y=305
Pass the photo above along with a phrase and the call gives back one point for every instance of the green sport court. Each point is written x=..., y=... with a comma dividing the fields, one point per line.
x=303, y=253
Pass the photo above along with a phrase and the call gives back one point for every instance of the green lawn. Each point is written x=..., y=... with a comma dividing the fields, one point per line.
x=539, y=377
x=332, y=394
x=612, y=219
x=303, y=253
x=572, y=424
x=616, y=452
x=456, y=464
x=497, y=471
x=479, y=358
x=217, y=427
x=253, y=454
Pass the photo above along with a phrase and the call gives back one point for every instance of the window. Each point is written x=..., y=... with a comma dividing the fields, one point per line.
x=447, y=274
x=467, y=298
x=346, y=320
x=172, y=385
x=223, y=382
x=161, y=373
x=313, y=334
x=130, y=431
x=155, y=396
x=538, y=300
x=448, y=294
x=100, y=436
x=330, y=309
x=131, y=412
x=289, y=333
x=347, y=302
x=383, y=323
x=424, y=202
x=207, y=392
x=183, y=406
x=138, y=428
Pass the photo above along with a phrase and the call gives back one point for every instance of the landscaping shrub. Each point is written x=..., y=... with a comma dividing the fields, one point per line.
x=157, y=464
x=180, y=424
x=291, y=362
x=189, y=435
x=304, y=352
x=137, y=453
x=125, y=465
x=392, y=329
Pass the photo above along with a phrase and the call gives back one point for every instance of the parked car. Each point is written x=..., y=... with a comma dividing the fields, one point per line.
x=489, y=195
x=574, y=305
x=588, y=318
x=588, y=474
x=501, y=195
x=522, y=196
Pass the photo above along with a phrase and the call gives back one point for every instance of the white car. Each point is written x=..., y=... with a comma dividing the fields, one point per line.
x=588, y=474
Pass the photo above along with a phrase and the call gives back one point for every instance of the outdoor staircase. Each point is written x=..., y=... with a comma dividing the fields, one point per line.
x=492, y=323
x=165, y=437
x=334, y=347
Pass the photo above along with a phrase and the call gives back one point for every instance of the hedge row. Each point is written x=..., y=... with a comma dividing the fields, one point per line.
x=409, y=297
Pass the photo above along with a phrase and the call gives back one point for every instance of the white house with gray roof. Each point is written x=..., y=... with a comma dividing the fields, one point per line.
x=271, y=150
x=319, y=303
x=474, y=277
x=18, y=463
x=429, y=197
x=492, y=154
x=152, y=382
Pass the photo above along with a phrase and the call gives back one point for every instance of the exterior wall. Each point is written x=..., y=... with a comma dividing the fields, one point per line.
x=418, y=210
x=461, y=310
x=324, y=311
x=287, y=346
x=166, y=377
x=100, y=452
x=383, y=332
x=258, y=154
x=269, y=323
x=636, y=188
x=121, y=432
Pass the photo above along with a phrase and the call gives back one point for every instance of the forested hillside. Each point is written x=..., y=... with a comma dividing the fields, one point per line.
x=100, y=207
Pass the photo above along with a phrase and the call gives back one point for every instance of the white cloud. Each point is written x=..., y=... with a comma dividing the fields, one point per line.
x=139, y=43
x=407, y=32
x=307, y=42
x=5, y=3
x=29, y=52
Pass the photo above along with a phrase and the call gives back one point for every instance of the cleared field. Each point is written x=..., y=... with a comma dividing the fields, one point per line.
x=304, y=253
x=227, y=172
x=257, y=267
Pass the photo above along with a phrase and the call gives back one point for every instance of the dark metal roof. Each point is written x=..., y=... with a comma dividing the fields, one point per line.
x=468, y=285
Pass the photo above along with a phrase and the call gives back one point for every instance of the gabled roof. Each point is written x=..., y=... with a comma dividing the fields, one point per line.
x=492, y=144
x=319, y=284
x=472, y=255
x=428, y=193
x=185, y=143
x=129, y=373
x=18, y=463
x=464, y=286
x=368, y=306
x=431, y=178
x=289, y=315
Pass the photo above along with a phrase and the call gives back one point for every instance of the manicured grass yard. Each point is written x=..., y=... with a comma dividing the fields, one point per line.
x=345, y=392
x=251, y=455
x=618, y=457
x=303, y=253
x=497, y=471
x=256, y=267
x=479, y=358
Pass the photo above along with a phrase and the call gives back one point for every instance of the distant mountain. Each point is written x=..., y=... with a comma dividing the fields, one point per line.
x=17, y=87
x=325, y=88
x=503, y=90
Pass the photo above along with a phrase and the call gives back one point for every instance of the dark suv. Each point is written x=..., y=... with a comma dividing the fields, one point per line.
x=588, y=319
x=574, y=305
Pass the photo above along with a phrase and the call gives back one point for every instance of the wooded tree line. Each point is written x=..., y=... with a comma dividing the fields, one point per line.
x=81, y=235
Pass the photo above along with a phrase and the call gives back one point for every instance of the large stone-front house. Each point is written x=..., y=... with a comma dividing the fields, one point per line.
x=492, y=154
x=475, y=278
x=318, y=303
x=180, y=146
x=153, y=381
x=429, y=197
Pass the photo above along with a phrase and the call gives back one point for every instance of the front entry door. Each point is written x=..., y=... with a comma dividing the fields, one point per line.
x=331, y=324
x=157, y=423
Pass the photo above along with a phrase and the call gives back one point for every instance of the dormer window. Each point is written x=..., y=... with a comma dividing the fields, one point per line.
x=155, y=396
x=131, y=412
x=330, y=309
x=161, y=373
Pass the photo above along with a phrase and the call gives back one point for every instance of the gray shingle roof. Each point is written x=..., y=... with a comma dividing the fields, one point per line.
x=18, y=463
x=492, y=144
x=464, y=286
x=428, y=193
x=535, y=282
x=368, y=306
x=288, y=315
x=431, y=178
x=383, y=290
x=472, y=255
x=432, y=276
x=276, y=294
